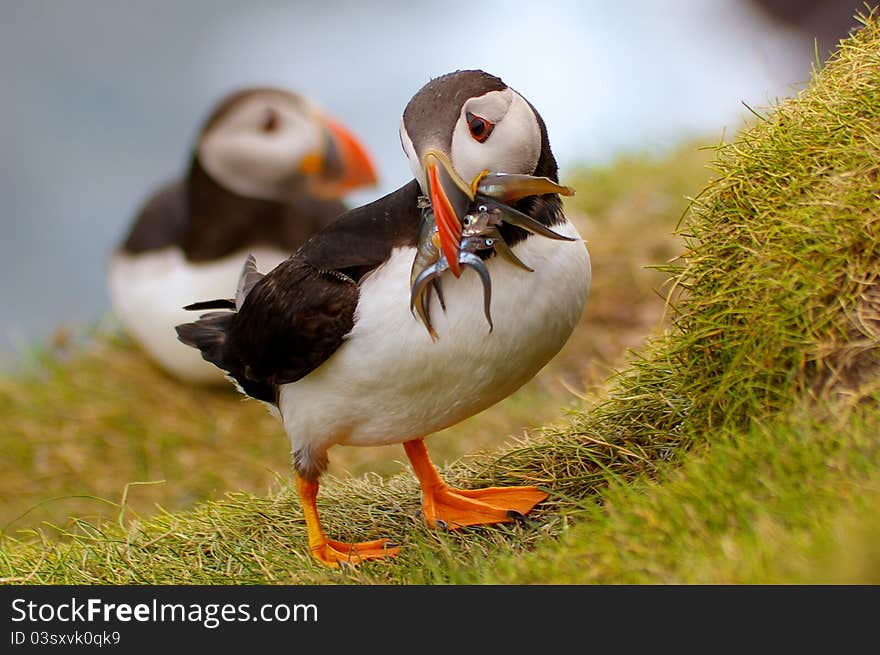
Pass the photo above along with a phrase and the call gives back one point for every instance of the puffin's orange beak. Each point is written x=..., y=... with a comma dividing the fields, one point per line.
x=344, y=166
x=450, y=198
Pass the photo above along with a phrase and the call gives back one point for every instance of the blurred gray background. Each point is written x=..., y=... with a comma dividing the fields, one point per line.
x=101, y=98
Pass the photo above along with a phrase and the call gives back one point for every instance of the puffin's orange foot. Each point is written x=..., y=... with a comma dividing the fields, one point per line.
x=333, y=553
x=456, y=508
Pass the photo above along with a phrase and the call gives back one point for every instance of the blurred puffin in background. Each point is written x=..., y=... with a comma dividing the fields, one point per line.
x=267, y=172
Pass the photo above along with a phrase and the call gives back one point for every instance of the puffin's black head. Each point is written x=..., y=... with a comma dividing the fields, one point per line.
x=261, y=142
x=461, y=124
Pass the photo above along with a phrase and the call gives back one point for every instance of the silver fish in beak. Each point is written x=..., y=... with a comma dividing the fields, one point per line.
x=483, y=207
x=428, y=277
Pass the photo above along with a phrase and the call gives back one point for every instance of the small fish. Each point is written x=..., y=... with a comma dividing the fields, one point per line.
x=510, y=187
x=513, y=216
x=480, y=222
x=473, y=261
x=420, y=293
x=428, y=249
x=493, y=239
x=427, y=255
x=491, y=194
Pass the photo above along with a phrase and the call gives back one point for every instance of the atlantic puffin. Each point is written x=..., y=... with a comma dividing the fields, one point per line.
x=267, y=171
x=328, y=339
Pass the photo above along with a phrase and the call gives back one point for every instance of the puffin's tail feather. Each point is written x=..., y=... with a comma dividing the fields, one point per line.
x=247, y=280
x=220, y=303
x=208, y=334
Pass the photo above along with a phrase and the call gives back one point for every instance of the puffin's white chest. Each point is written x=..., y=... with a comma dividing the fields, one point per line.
x=149, y=290
x=390, y=383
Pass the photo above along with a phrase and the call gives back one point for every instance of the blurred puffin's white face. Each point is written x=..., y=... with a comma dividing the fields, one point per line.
x=497, y=132
x=258, y=147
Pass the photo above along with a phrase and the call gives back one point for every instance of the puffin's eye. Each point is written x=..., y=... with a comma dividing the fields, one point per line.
x=480, y=128
x=270, y=121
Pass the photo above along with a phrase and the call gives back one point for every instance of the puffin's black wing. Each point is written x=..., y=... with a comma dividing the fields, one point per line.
x=291, y=321
x=296, y=317
x=363, y=238
x=161, y=220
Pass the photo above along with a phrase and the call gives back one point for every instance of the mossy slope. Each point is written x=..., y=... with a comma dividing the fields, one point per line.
x=748, y=427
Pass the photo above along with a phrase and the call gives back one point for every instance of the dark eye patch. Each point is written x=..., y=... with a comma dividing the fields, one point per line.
x=271, y=121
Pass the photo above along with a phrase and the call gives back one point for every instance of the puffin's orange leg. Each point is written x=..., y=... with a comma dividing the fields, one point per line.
x=455, y=508
x=334, y=553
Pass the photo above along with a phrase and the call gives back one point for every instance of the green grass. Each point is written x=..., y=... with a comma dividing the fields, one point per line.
x=740, y=444
x=84, y=416
x=788, y=501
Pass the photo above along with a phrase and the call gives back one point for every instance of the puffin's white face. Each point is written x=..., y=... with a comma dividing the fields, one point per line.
x=262, y=143
x=497, y=132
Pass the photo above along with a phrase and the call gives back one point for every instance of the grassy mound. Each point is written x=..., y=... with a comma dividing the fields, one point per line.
x=86, y=417
x=741, y=445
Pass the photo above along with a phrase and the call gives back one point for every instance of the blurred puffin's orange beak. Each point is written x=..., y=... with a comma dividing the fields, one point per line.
x=344, y=165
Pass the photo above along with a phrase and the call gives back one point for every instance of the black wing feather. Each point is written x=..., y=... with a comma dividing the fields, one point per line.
x=292, y=321
x=298, y=315
x=161, y=220
x=220, y=303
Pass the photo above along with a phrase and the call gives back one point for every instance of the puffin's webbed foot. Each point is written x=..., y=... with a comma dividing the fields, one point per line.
x=328, y=551
x=446, y=507
x=335, y=553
